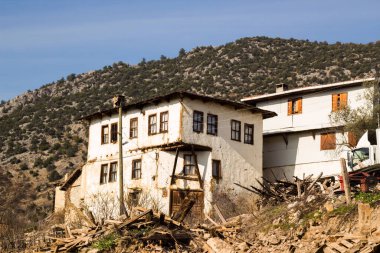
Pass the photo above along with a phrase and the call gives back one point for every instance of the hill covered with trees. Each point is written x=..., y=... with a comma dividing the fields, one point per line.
x=41, y=138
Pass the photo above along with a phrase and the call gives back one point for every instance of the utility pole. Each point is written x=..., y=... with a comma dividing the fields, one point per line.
x=118, y=102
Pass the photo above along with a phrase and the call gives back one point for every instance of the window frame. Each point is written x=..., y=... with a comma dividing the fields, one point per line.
x=198, y=122
x=235, y=132
x=250, y=135
x=295, y=106
x=133, y=131
x=151, y=125
x=164, y=125
x=136, y=169
x=104, y=138
x=114, y=133
x=188, y=168
x=103, y=173
x=112, y=174
x=325, y=137
x=212, y=125
x=218, y=173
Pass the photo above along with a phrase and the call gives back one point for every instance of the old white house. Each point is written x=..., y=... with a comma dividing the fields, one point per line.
x=173, y=146
x=301, y=139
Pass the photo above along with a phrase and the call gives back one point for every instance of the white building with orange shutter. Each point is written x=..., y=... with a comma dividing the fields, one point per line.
x=301, y=140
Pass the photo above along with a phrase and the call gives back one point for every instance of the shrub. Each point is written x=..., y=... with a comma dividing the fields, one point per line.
x=367, y=197
x=106, y=242
x=53, y=176
x=24, y=166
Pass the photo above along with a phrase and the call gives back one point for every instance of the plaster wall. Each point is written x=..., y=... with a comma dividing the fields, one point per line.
x=240, y=162
x=302, y=155
x=316, y=108
x=59, y=200
x=99, y=151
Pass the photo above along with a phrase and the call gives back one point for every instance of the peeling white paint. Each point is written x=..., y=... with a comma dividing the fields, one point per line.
x=240, y=163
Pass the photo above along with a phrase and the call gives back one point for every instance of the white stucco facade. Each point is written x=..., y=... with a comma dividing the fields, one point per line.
x=292, y=142
x=240, y=162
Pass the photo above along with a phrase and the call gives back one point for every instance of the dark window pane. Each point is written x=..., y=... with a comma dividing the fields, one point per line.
x=198, y=121
x=212, y=124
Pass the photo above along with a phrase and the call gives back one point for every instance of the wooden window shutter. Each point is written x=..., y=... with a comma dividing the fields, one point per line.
x=352, y=140
x=299, y=105
x=328, y=141
x=289, y=107
x=343, y=100
x=334, y=102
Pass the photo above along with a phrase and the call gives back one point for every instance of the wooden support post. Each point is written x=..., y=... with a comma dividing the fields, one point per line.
x=118, y=102
x=196, y=167
x=346, y=180
x=299, y=190
x=172, y=181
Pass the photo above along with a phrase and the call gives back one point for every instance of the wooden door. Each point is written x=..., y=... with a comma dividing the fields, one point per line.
x=177, y=198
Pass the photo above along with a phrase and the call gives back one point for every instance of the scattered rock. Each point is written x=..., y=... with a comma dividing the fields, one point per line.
x=310, y=198
x=220, y=246
x=329, y=206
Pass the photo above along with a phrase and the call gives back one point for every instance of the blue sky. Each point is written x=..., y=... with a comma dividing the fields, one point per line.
x=44, y=40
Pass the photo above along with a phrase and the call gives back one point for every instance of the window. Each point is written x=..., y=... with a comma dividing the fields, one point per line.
x=248, y=134
x=328, y=141
x=133, y=127
x=212, y=124
x=105, y=134
x=235, y=130
x=114, y=133
x=295, y=106
x=103, y=173
x=113, y=172
x=339, y=101
x=164, y=122
x=352, y=140
x=136, y=169
x=189, y=165
x=198, y=121
x=133, y=198
x=152, y=124
x=216, y=169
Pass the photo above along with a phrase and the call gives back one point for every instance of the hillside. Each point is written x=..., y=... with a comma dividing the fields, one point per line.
x=41, y=138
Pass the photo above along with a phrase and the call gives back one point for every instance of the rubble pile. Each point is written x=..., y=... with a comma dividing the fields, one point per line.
x=310, y=216
x=285, y=190
x=148, y=231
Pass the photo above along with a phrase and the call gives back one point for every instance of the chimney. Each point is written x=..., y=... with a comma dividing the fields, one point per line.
x=281, y=87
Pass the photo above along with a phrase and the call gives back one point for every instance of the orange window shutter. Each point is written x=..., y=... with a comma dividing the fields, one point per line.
x=352, y=140
x=289, y=107
x=299, y=105
x=343, y=100
x=334, y=102
x=332, y=141
x=323, y=141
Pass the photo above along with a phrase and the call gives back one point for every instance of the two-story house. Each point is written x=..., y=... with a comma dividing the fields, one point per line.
x=174, y=145
x=302, y=140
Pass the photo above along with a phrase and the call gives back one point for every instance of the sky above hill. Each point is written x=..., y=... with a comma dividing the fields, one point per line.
x=44, y=40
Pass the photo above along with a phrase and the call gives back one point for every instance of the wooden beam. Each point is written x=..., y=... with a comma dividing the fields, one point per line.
x=172, y=181
x=196, y=167
x=219, y=213
x=346, y=180
x=185, y=177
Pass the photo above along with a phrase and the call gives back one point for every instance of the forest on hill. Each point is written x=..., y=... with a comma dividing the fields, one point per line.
x=41, y=137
